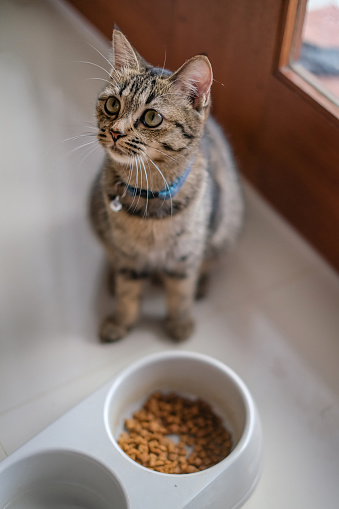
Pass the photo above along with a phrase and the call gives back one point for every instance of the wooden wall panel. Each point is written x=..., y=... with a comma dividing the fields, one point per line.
x=226, y=31
x=300, y=167
x=147, y=24
x=283, y=144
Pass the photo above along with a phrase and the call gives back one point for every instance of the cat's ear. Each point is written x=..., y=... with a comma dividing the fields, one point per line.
x=194, y=79
x=124, y=55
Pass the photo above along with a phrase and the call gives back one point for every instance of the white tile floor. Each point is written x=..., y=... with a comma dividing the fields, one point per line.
x=273, y=310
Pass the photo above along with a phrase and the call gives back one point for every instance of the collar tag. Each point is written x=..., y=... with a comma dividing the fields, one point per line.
x=115, y=204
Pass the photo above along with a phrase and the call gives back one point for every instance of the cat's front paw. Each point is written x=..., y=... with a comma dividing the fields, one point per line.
x=111, y=330
x=179, y=329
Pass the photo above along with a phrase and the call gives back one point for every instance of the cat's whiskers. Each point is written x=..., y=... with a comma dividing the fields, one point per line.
x=130, y=171
x=77, y=136
x=136, y=185
x=95, y=128
x=99, y=66
x=218, y=82
x=161, y=152
x=72, y=138
x=140, y=136
x=117, y=73
x=163, y=67
x=90, y=151
x=150, y=169
x=131, y=163
x=103, y=56
x=144, y=167
x=166, y=183
x=140, y=189
x=70, y=152
x=87, y=123
x=100, y=79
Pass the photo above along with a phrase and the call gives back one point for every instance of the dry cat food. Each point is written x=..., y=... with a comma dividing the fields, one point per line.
x=202, y=439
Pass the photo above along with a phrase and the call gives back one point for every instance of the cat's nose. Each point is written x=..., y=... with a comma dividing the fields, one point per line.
x=116, y=135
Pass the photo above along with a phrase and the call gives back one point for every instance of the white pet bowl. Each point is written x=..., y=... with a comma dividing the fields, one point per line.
x=76, y=463
x=227, y=484
x=60, y=480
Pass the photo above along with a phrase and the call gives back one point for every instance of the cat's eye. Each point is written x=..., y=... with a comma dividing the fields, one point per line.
x=112, y=106
x=151, y=118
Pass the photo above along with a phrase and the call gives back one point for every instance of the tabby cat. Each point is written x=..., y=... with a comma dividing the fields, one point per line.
x=167, y=199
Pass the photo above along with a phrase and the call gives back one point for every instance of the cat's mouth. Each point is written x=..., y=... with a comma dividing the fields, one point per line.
x=113, y=148
x=118, y=154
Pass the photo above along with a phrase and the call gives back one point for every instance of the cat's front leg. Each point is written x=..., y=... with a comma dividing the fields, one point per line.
x=181, y=289
x=128, y=286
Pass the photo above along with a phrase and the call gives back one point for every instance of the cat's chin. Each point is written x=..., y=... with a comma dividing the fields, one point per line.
x=119, y=157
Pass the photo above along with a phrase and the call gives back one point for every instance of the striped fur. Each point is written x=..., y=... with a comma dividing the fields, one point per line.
x=176, y=237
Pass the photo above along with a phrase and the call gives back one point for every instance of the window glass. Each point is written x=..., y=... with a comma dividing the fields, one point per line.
x=315, y=51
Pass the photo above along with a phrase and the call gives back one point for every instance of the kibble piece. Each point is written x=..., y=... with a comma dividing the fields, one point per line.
x=190, y=469
x=203, y=441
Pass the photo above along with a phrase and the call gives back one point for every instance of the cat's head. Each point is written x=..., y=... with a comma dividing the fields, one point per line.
x=149, y=112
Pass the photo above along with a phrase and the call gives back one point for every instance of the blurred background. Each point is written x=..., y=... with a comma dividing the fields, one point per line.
x=276, y=66
x=272, y=312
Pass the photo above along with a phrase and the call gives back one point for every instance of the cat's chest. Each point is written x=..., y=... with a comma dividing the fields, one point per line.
x=144, y=235
x=153, y=243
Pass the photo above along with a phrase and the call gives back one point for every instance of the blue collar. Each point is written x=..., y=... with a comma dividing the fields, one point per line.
x=164, y=194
